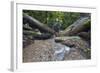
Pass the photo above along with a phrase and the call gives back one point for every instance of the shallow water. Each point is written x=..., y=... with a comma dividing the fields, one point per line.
x=60, y=51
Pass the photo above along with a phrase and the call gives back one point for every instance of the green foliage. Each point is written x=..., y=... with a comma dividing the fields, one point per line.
x=51, y=17
x=39, y=15
x=88, y=24
x=69, y=18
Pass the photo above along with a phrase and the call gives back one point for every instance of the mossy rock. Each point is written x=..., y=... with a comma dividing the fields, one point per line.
x=87, y=52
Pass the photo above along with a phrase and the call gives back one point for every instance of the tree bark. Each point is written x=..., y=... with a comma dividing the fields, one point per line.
x=80, y=25
x=62, y=38
x=36, y=24
x=29, y=32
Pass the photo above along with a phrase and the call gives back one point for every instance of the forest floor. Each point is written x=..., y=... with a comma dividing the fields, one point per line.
x=43, y=50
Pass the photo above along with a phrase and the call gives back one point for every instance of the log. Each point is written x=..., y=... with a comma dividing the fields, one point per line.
x=37, y=35
x=61, y=39
x=86, y=36
x=43, y=36
x=27, y=32
x=36, y=24
x=26, y=27
x=82, y=24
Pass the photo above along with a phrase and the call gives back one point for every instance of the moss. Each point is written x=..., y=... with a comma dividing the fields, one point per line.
x=31, y=32
x=87, y=24
x=88, y=53
x=35, y=33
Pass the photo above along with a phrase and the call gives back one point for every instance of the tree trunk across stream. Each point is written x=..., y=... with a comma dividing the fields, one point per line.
x=43, y=43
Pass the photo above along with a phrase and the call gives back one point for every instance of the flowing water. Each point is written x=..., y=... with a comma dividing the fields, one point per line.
x=59, y=50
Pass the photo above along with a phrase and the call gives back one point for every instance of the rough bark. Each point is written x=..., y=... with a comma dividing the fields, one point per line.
x=36, y=24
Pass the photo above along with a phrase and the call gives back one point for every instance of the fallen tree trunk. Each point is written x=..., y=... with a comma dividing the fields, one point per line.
x=61, y=39
x=36, y=24
x=27, y=32
x=37, y=35
x=85, y=35
x=82, y=24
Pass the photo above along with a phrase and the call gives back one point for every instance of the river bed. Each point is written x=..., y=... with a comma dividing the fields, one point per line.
x=48, y=50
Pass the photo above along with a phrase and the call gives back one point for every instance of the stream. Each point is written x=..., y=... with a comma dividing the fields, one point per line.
x=60, y=50
x=49, y=50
